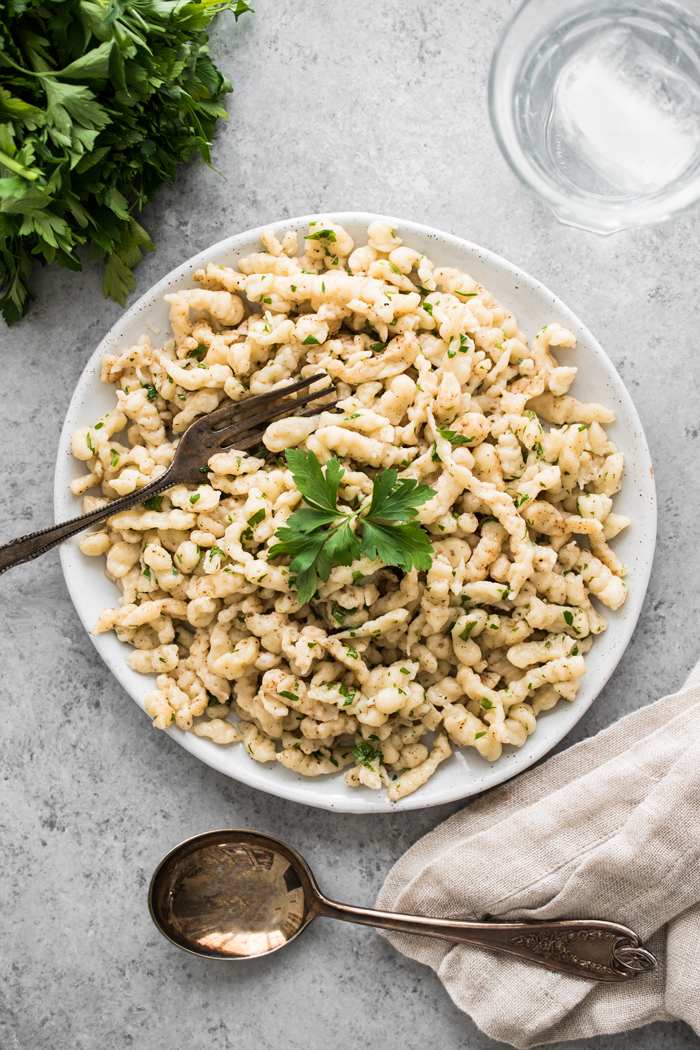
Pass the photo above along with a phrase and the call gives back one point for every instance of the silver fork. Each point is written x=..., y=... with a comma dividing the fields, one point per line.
x=202, y=439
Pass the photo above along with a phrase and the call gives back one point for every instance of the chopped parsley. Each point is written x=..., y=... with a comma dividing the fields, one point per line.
x=154, y=503
x=366, y=754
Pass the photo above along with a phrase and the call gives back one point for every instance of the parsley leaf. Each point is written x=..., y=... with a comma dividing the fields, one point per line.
x=366, y=754
x=320, y=535
x=392, y=499
x=318, y=489
x=321, y=235
x=342, y=545
x=154, y=503
x=406, y=546
x=288, y=696
x=349, y=696
x=453, y=437
x=306, y=584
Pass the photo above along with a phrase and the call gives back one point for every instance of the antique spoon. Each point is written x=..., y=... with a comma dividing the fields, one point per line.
x=239, y=894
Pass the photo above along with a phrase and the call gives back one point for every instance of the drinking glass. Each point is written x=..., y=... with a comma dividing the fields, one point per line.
x=596, y=107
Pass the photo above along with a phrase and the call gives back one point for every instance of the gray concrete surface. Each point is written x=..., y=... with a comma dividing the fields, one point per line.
x=370, y=105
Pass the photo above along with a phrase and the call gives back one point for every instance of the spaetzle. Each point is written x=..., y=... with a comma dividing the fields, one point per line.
x=381, y=673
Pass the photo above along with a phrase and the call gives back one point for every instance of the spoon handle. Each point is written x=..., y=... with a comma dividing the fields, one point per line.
x=602, y=951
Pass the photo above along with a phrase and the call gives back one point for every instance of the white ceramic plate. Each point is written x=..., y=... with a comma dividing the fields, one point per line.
x=465, y=773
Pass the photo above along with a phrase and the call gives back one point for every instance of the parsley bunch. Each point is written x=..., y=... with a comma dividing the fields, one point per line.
x=100, y=100
x=321, y=535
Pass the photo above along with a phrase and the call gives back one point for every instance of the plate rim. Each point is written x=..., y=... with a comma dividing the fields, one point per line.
x=258, y=776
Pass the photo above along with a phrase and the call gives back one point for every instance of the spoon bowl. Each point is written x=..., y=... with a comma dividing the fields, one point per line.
x=238, y=894
x=232, y=895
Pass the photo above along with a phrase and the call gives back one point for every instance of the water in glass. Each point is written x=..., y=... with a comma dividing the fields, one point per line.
x=605, y=106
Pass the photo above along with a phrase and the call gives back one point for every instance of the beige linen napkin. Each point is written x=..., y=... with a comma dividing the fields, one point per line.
x=609, y=829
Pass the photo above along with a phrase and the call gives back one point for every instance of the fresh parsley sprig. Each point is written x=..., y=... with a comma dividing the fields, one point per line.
x=321, y=535
x=100, y=101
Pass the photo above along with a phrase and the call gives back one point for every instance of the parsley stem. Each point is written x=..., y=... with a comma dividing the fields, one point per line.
x=19, y=169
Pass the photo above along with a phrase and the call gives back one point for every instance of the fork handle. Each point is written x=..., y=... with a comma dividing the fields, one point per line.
x=26, y=548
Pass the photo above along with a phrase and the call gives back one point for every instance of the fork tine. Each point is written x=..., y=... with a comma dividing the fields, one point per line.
x=253, y=404
x=314, y=411
x=227, y=435
x=256, y=439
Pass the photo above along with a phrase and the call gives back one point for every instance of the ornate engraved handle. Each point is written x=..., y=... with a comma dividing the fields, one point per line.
x=26, y=548
x=602, y=951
